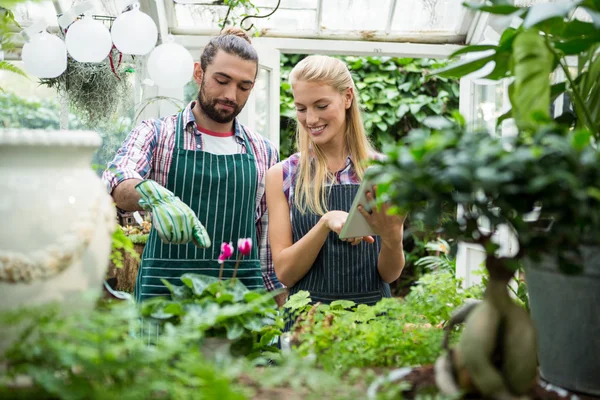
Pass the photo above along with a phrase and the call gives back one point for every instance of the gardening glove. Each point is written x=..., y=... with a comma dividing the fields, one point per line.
x=173, y=220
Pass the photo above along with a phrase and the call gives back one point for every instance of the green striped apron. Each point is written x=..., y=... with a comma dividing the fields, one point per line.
x=221, y=189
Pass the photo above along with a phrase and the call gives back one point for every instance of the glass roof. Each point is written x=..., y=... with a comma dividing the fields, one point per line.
x=426, y=21
x=368, y=17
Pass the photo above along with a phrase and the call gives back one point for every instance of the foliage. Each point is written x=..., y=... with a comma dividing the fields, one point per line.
x=548, y=35
x=393, y=332
x=7, y=23
x=121, y=244
x=437, y=294
x=544, y=186
x=396, y=94
x=441, y=261
x=222, y=308
x=98, y=356
x=95, y=90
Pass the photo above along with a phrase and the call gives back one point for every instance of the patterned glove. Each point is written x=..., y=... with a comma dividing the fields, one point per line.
x=173, y=220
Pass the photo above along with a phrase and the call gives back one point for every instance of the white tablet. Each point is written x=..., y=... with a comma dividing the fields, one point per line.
x=356, y=225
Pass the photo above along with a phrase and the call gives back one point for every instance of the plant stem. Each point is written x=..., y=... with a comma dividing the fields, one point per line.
x=237, y=264
x=588, y=121
x=221, y=270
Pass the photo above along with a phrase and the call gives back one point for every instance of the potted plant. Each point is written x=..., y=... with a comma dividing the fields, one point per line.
x=547, y=36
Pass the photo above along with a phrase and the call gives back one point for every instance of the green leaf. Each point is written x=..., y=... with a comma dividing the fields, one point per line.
x=577, y=45
x=505, y=9
x=177, y=292
x=235, y=330
x=342, y=304
x=464, y=67
x=473, y=49
x=543, y=12
x=6, y=66
x=581, y=139
x=198, y=283
x=298, y=300
x=530, y=92
x=437, y=122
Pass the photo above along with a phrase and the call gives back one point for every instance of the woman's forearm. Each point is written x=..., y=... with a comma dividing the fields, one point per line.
x=391, y=261
x=292, y=263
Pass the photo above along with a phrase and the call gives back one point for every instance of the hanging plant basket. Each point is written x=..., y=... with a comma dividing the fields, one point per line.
x=95, y=91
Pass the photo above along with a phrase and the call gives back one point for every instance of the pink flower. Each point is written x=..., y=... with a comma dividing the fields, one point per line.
x=245, y=246
x=226, y=252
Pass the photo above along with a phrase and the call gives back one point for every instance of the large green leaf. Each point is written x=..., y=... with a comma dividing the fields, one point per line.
x=473, y=49
x=577, y=45
x=532, y=65
x=543, y=12
x=198, y=283
x=503, y=9
x=465, y=67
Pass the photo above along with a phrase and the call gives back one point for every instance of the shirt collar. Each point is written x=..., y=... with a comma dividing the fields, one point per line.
x=188, y=119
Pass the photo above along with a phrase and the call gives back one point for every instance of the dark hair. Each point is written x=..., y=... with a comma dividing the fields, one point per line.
x=232, y=41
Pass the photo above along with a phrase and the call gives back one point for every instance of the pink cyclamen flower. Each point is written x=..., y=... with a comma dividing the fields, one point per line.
x=226, y=252
x=245, y=246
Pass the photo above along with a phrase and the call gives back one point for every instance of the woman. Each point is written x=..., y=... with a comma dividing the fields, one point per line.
x=309, y=196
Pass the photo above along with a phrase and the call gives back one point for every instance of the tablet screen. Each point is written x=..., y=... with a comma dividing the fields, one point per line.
x=356, y=225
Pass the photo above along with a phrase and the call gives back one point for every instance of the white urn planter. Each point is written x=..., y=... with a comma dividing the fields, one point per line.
x=57, y=219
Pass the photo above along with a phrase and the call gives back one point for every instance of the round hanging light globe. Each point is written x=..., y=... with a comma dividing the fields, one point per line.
x=134, y=32
x=88, y=40
x=44, y=56
x=170, y=65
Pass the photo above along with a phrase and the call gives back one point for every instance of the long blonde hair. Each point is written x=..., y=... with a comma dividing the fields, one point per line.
x=313, y=175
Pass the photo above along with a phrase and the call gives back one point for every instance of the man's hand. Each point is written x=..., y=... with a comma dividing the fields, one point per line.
x=174, y=221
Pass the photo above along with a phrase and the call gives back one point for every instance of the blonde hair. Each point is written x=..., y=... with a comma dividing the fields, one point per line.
x=313, y=175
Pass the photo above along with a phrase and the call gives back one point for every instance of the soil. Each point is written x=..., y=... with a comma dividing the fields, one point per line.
x=422, y=380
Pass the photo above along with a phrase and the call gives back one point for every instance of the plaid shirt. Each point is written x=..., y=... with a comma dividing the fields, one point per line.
x=147, y=154
x=345, y=176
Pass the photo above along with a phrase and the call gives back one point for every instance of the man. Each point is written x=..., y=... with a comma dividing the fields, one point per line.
x=201, y=174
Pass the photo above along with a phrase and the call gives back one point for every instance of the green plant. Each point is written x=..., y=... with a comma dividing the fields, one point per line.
x=7, y=23
x=121, y=244
x=343, y=335
x=96, y=91
x=221, y=308
x=97, y=355
x=549, y=34
x=441, y=261
x=543, y=185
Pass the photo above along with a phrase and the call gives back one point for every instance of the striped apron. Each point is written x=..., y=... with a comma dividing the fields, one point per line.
x=341, y=271
x=221, y=189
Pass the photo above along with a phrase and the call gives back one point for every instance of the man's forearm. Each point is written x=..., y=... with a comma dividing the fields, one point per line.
x=125, y=195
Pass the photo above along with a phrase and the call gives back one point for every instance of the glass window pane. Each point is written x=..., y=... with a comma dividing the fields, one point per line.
x=428, y=15
x=355, y=14
x=262, y=92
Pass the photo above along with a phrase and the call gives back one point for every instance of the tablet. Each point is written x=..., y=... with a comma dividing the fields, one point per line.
x=356, y=225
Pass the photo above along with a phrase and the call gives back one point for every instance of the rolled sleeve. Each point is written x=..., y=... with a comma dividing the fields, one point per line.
x=134, y=158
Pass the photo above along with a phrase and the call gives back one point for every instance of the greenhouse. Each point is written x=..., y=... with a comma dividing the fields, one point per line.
x=298, y=199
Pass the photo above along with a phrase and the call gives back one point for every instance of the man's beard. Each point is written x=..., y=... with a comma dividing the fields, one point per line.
x=209, y=107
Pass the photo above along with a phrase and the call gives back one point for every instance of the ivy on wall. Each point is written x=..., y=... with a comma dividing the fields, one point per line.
x=396, y=94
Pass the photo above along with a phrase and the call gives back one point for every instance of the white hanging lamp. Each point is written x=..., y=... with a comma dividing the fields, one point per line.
x=170, y=65
x=134, y=32
x=87, y=40
x=44, y=55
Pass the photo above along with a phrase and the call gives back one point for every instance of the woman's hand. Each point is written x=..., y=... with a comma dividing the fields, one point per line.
x=335, y=220
x=389, y=227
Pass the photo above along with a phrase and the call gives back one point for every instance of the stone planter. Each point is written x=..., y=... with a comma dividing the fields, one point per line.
x=566, y=313
x=57, y=219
